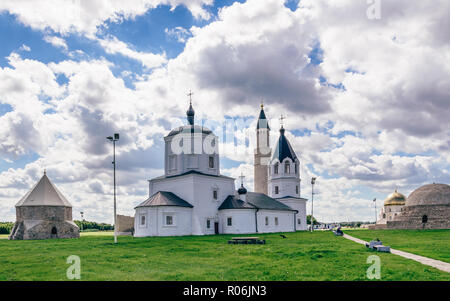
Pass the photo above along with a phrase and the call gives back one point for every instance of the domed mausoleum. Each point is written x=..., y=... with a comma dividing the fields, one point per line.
x=427, y=207
x=44, y=213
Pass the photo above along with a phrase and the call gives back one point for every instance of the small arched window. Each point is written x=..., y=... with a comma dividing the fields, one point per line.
x=287, y=168
x=275, y=169
x=296, y=168
x=54, y=231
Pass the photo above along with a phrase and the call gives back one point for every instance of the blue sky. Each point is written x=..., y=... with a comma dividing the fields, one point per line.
x=363, y=124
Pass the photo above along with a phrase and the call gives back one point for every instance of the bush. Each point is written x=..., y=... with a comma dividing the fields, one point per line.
x=86, y=225
x=6, y=227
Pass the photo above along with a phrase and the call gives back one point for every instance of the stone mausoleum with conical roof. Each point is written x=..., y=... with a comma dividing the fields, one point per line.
x=44, y=213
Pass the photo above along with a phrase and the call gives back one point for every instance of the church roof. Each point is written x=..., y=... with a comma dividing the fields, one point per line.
x=254, y=200
x=164, y=198
x=262, y=120
x=189, y=173
x=190, y=129
x=283, y=148
x=231, y=202
x=44, y=193
x=263, y=201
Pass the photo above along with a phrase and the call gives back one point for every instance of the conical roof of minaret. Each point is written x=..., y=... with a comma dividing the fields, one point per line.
x=283, y=148
x=44, y=193
x=262, y=120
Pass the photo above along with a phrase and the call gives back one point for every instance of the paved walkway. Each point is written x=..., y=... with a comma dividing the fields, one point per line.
x=441, y=265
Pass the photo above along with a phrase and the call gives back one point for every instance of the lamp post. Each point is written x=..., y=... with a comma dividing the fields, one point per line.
x=81, y=213
x=114, y=139
x=375, y=202
x=313, y=181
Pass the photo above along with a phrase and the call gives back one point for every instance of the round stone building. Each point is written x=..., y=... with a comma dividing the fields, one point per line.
x=44, y=213
x=427, y=207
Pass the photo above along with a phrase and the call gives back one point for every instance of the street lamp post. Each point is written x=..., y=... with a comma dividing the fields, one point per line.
x=114, y=139
x=81, y=213
x=313, y=181
x=375, y=202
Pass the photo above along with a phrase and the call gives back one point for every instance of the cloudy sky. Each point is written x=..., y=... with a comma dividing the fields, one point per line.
x=365, y=87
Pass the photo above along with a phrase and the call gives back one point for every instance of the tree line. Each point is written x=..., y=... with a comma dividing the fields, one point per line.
x=6, y=227
x=93, y=226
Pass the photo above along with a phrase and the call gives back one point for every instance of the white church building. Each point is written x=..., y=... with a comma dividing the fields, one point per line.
x=193, y=198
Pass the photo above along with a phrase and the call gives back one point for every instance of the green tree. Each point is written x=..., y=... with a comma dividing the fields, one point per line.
x=308, y=220
x=86, y=225
x=6, y=227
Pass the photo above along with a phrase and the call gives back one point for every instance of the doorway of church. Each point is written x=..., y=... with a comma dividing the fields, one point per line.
x=216, y=228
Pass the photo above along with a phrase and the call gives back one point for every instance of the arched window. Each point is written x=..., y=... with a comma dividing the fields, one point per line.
x=54, y=231
x=287, y=167
x=296, y=168
x=275, y=169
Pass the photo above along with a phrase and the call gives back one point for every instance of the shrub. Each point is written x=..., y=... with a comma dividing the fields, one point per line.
x=86, y=225
x=6, y=227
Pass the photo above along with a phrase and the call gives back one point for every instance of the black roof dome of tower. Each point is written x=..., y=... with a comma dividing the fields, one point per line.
x=262, y=120
x=283, y=148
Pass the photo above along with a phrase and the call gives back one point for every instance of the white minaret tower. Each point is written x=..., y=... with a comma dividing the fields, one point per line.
x=284, y=178
x=262, y=153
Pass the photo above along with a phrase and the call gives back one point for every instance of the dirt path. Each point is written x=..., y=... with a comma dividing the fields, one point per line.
x=441, y=265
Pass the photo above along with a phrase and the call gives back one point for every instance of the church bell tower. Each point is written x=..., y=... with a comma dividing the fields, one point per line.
x=263, y=153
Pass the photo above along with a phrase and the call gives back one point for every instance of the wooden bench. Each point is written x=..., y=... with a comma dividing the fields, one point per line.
x=246, y=240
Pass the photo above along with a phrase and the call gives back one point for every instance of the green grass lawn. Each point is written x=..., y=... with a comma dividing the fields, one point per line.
x=430, y=243
x=301, y=256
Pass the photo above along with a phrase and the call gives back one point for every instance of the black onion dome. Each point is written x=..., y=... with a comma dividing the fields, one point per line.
x=242, y=190
x=283, y=148
x=190, y=114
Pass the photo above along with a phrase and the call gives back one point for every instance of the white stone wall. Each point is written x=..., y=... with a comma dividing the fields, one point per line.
x=388, y=213
x=196, y=157
x=300, y=206
x=243, y=221
x=287, y=183
x=285, y=221
x=198, y=191
x=155, y=221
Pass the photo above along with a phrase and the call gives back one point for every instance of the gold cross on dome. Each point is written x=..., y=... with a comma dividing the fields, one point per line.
x=190, y=96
